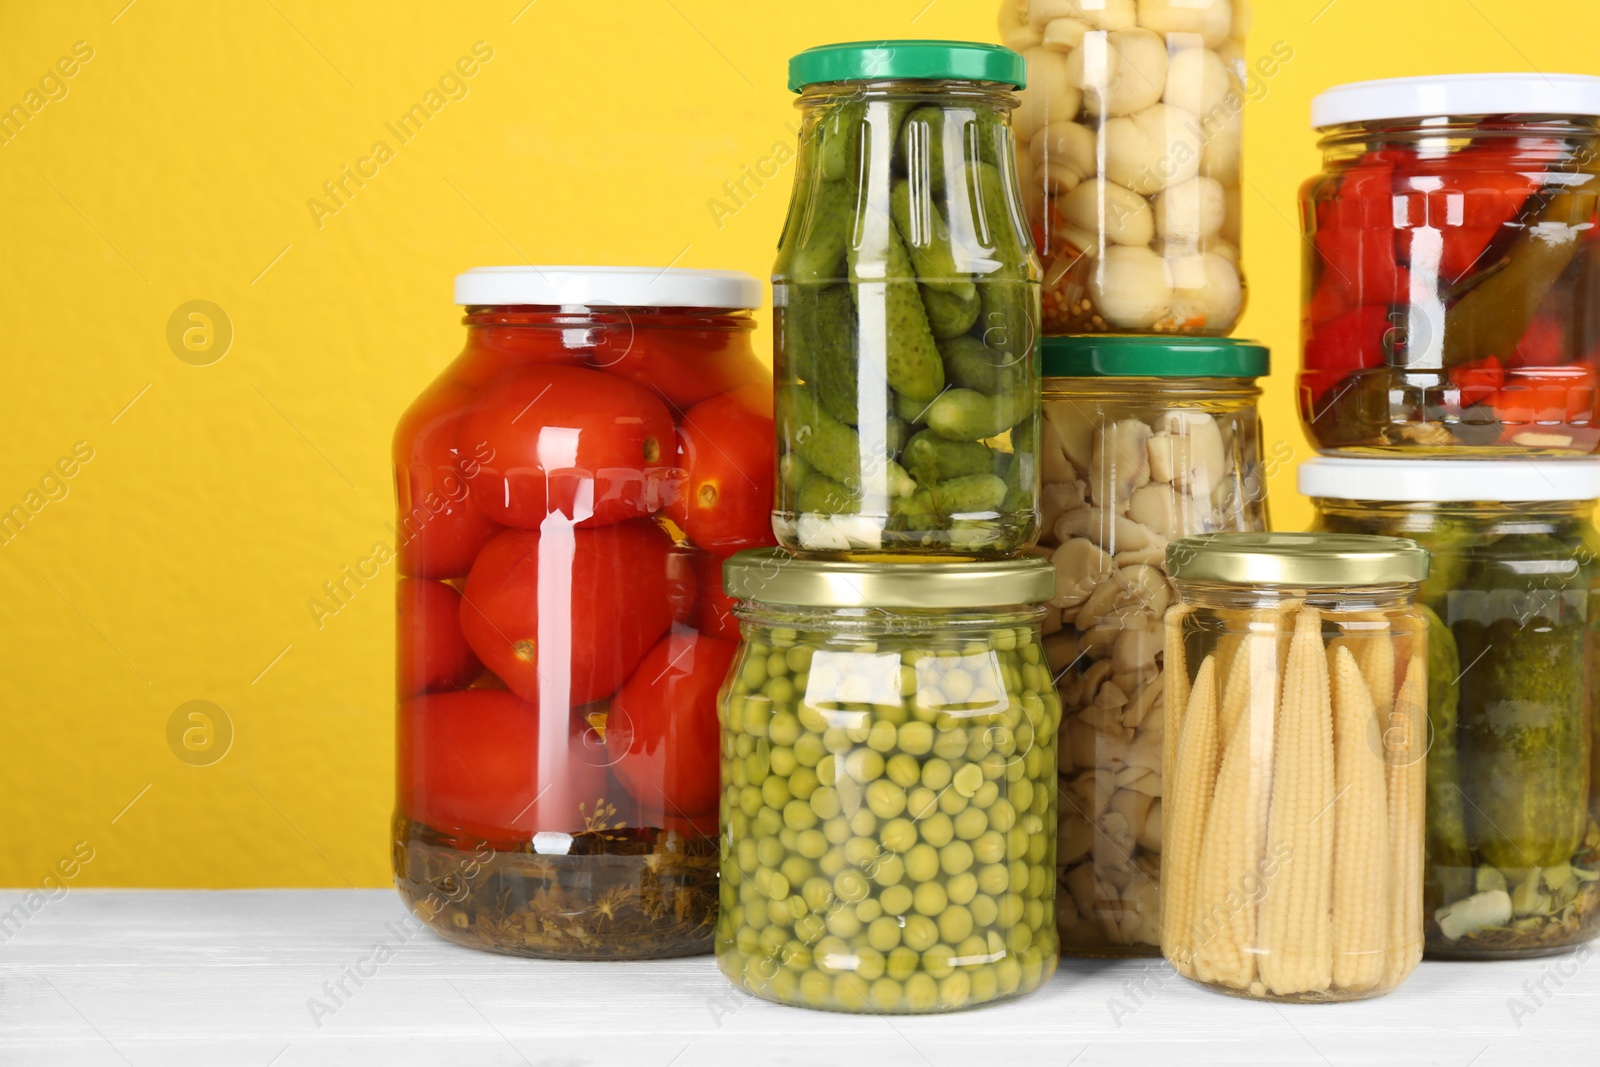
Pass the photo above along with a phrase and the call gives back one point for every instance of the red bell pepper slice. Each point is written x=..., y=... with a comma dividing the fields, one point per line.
x=1356, y=236
x=1552, y=395
x=1469, y=196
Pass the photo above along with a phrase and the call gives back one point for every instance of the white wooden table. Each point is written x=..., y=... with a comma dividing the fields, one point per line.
x=168, y=979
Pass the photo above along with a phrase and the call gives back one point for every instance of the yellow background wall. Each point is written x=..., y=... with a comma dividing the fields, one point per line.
x=178, y=166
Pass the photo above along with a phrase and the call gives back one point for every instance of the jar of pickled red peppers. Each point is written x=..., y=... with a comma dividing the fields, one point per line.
x=1452, y=267
x=1145, y=439
x=1129, y=138
x=568, y=488
x=1292, y=861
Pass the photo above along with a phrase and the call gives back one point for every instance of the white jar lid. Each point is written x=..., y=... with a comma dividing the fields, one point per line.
x=656, y=287
x=1450, y=480
x=1457, y=94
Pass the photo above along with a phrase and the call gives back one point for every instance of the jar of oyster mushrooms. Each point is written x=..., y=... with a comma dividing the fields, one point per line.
x=1144, y=440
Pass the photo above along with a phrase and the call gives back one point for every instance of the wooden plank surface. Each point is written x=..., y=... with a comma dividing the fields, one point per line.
x=251, y=979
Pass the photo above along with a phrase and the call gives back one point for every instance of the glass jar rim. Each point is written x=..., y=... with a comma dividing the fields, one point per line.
x=608, y=287
x=773, y=576
x=1297, y=559
x=1450, y=480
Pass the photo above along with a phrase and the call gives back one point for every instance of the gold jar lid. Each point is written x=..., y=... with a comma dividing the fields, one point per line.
x=772, y=576
x=1299, y=559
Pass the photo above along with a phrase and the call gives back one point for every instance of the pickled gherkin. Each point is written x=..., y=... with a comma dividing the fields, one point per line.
x=907, y=299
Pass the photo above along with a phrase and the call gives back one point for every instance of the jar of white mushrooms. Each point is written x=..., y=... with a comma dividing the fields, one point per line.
x=1143, y=440
x=1130, y=136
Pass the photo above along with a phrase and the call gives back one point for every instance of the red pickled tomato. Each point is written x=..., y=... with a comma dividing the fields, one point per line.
x=476, y=763
x=564, y=616
x=1469, y=196
x=725, y=446
x=682, y=584
x=713, y=608
x=663, y=732
x=1356, y=236
x=1544, y=345
x=439, y=532
x=493, y=350
x=685, y=364
x=566, y=440
x=1477, y=382
x=432, y=652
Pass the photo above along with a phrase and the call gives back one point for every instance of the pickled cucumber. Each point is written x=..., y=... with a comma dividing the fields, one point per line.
x=823, y=233
x=820, y=439
x=927, y=239
x=826, y=326
x=972, y=364
x=968, y=415
x=930, y=458
x=1449, y=850
x=949, y=315
x=910, y=354
x=888, y=810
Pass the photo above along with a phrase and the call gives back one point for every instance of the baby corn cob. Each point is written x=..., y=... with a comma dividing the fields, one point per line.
x=1187, y=783
x=1224, y=930
x=1405, y=742
x=1175, y=687
x=1373, y=650
x=1361, y=832
x=1296, y=927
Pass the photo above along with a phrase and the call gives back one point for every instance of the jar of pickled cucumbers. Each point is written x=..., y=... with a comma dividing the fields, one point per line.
x=1144, y=439
x=567, y=489
x=1292, y=859
x=888, y=773
x=1452, y=267
x=1130, y=132
x=906, y=296
x=1513, y=608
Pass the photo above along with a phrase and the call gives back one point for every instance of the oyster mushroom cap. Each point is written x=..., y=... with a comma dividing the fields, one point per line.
x=1198, y=460
x=1054, y=466
x=1080, y=567
x=1076, y=429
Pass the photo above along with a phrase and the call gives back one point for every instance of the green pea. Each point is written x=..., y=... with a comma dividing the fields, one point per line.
x=980, y=744
x=803, y=782
x=919, y=933
x=990, y=847
x=780, y=691
x=796, y=955
x=962, y=887
x=850, y=992
x=783, y=637
x=970, y=823
x=836, y=739
x=784, y=985
x=938, y=960
x=864, y=765
x=769, y=853
x=817, y=892
x=747, y=853
x=837, y=830
x=827, y=770
x=893, y=715
x=1011, y=906
x=869, y=910
x=967, y=780
x=922, y=802
x=860, y=851
x=885, y=799
x=1018, y=873
x=797, y=815
x=859, y=729
x=885, y=994
x=842, y=922
x=955, y=923
x=903, y=962
x=771, y=941
x=808, y=750
x=950, y=744
x=936, y=830
x=985, y=983
x=1002, y=816
x=925, y=707
x=1033, y=913
x=777, y=665
x=903, y=770
x=1039, y=880
x=952, y=803
x=797, y=869
x=833, y=860
x=850, y=886
x=863, y=823
x=883, y=934
x=824, y=801
x=757, y=713
x=955, y=990
x=784, y=729
x=775, y=792
x=888, y=870
x=922, y=863
x=896, y=899
x=908, y=679
x=756, y=913
x=936, y=774
x=768, y=822
x=986, y=794
x=813, y=718
x=929, y=899
x=809, y=928
x=754, y=672
x=955, y=857
x=747, y=940
x=1019, y=937
x=870, y=963
x=915, y=738
x=992, y=877
x=798, y=658
x=922, y=991
x=898, y=835
x=816, y=989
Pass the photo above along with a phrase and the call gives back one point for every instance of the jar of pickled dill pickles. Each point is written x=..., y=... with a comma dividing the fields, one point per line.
x=1514, y=644
x=888, y=769
x=906, y=304
x=1292, y=859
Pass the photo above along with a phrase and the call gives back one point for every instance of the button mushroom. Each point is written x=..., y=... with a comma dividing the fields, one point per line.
x=1197, y=81
x=1130, y=286
x=1050, y=94
x=1210, y=20
x=1121, y=214
x=1065, y=155
x=1119, y=72
x=1190, y=210
x=1151, y=149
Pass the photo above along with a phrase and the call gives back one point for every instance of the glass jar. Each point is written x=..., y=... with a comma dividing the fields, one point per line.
x=567, y=490
x=1132, y=123
x=1514, y=763
x=1452, y=267
x=906, y=296
x=1295, y=777
x=888, y=770
x=1144, y=439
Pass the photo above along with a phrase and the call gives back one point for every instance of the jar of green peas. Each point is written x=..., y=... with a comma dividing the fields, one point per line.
x=888, y=784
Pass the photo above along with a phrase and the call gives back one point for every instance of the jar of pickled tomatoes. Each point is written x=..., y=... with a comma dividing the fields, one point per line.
x=568, y=488
x=1452, y=267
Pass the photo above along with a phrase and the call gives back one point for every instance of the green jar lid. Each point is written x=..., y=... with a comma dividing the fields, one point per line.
x=1142, y=356
x=889, y=60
